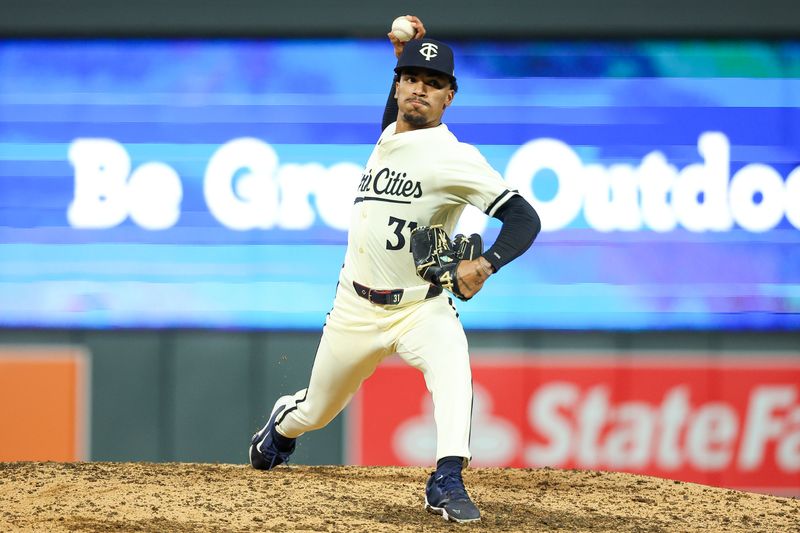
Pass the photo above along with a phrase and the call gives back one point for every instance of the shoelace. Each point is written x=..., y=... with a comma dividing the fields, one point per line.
x=452, y=485
x=275, y=453
x=284, y=456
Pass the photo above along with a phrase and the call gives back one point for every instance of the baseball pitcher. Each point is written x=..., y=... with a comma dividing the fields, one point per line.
x=400, y=268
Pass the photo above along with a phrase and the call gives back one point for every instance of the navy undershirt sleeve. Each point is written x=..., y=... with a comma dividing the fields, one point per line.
x=521, y=225
x=390, y=111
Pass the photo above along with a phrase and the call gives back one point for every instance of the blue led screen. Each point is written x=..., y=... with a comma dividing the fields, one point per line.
x=208, y=183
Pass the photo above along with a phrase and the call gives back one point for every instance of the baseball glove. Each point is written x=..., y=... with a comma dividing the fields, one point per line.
x=437, y=258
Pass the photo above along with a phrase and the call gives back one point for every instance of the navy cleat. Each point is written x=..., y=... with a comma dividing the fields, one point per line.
x=264, y=452
x=445, y=495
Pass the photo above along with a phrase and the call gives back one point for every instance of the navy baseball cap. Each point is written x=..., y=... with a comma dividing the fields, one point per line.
x=429, y=54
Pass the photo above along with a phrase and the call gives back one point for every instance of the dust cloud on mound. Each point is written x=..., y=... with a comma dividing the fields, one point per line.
x=210, y=497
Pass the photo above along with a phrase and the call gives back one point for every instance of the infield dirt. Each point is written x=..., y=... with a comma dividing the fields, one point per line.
x=180, y=497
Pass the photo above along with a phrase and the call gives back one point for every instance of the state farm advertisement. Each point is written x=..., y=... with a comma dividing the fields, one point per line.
x=730, y=421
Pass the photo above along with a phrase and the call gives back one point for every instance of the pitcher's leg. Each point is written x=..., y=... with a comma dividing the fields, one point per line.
x=437, y=345
x=344, y=360
x=348, y=353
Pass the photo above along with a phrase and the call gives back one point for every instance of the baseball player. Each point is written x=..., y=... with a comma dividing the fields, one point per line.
x=418, y=177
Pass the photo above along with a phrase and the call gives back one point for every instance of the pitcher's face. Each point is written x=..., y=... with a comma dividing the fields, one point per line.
x=422, y=96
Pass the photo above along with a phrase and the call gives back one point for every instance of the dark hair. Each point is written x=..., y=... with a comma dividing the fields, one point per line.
x=453, y=82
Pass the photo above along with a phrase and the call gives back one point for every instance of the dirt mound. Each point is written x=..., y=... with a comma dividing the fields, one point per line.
x=211, y=497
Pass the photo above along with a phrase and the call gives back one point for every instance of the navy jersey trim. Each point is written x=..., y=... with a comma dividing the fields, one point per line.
x=377, y=199
x=290, y=409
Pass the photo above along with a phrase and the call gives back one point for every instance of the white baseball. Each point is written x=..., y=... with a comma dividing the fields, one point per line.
x=403, y=29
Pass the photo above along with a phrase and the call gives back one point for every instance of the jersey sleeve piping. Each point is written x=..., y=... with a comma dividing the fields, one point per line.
x=499, y=201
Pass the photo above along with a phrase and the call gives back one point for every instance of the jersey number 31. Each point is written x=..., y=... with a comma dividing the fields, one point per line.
x=399, y=224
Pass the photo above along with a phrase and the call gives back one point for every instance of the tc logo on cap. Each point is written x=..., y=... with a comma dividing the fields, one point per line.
x=429, y=50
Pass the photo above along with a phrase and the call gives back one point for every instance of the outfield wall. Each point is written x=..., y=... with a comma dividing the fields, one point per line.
x=198, y=395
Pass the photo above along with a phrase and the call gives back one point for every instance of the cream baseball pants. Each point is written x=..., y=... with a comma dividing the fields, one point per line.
x=359, y=334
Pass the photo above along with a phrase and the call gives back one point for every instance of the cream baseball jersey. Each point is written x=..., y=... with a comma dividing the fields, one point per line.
x=414, y=178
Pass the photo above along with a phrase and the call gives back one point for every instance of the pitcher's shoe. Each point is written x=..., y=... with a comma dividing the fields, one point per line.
x=264, y=452
x=445, y=495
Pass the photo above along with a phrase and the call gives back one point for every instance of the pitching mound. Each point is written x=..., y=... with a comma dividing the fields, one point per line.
x=205, y=497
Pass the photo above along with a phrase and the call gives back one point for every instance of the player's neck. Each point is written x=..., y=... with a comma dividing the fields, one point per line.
x=404, y=126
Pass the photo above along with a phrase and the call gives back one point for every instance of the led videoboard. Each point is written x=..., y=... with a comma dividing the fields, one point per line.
x=209, y=183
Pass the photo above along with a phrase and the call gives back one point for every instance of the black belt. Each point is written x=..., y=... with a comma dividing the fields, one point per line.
x=389, y=296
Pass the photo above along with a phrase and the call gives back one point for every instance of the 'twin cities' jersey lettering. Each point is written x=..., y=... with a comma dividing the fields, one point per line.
x=390, y=182
x=414, y=178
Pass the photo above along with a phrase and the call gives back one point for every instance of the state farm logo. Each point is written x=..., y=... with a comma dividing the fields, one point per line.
x=586, y=429
x=721, y=421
